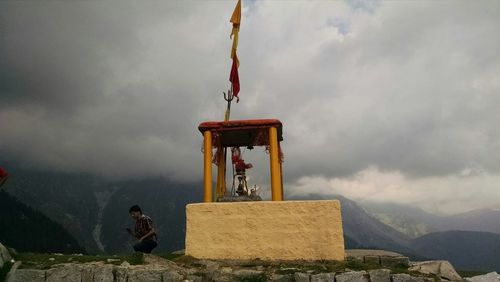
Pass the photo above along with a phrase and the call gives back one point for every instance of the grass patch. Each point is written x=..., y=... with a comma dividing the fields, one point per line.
x=45, y=261
x=169, y=256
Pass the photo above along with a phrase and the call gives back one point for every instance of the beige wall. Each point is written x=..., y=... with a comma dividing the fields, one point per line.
x=288, y=230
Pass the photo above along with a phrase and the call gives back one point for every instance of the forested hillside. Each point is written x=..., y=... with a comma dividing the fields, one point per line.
x=28, y=230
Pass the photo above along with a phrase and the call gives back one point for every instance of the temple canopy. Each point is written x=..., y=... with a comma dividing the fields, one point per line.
x=237, y=133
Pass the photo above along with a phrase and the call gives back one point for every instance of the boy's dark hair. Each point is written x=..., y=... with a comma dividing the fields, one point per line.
x=135, y=208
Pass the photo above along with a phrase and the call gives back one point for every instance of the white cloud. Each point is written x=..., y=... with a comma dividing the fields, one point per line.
x=467, y=190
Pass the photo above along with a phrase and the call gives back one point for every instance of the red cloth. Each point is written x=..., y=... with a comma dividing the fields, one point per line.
x=235, y=78
x=238, y=162
x=3, y=172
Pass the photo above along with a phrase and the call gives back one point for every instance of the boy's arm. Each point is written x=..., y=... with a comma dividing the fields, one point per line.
x=150, y=233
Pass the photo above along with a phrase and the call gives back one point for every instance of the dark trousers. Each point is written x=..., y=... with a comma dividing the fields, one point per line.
x=145, y=246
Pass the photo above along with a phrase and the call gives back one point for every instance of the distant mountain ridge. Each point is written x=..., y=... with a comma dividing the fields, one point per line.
x=96, y=213
x=416, y=222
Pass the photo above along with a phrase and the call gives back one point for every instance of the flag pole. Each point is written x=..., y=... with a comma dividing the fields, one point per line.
x=234, y=79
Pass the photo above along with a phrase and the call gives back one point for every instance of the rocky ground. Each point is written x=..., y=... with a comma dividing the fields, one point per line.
x=361, y=265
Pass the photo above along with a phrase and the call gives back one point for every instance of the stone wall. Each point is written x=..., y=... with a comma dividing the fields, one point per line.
x=288, y=230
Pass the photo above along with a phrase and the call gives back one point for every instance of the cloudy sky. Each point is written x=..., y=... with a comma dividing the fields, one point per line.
x=381, y=101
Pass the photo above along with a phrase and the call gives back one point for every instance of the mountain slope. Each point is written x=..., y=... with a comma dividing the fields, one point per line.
x=95, y=211
x=28, y=230
x=415, y=222
x=66, y=198
x=409, y=220
x=466, y=250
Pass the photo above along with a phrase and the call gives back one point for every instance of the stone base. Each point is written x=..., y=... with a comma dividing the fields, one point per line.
x=287, y=230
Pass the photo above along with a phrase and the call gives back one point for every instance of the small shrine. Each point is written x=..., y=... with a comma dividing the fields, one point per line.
x=224, y=135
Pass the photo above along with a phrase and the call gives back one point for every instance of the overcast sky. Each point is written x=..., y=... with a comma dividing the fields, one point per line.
x=381, y=101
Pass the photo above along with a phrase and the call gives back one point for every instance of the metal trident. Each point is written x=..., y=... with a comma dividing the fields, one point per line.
x=229, y=98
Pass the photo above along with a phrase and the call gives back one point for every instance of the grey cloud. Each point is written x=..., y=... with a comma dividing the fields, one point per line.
x=118, y=88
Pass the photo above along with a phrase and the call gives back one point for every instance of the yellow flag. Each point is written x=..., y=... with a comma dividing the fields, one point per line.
x=236, y=20
x=236, y=17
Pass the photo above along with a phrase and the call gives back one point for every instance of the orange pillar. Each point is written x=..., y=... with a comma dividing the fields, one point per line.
x=207, y=169
x=275, y=165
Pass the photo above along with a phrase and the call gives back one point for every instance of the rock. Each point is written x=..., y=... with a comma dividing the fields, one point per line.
x=88, y=273
x=172, y=276
x=103, y=273
x=52, y=259
x=12, y=251
x=64, y=273
x=488, y=277
x=290, y=269
x=440, y=268
x=194, y=278
x=282, y=278
x=226, y=270
x=125, y=264
x=353, y=276
x=4, y=255
x=112, y=260
x=323, y=277
x=121, y=273
x=97, y=272
x=23, y=275
x=144, y=275
x=211, y=266
x=179, y=252
x=301, y=277
x=380, y=275
x=403, y=277
x=243, y=273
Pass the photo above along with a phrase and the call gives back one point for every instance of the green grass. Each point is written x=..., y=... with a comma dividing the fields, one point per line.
x=45, y=261
x=169, y=256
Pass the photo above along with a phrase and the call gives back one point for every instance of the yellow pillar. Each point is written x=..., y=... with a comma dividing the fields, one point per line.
x=276, y=186
x=221, y=174
x=207, y=169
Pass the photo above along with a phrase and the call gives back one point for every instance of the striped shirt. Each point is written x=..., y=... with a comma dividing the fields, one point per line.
x=142, y=226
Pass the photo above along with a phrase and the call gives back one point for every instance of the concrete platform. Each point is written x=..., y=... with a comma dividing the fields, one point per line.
x=280, y=230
